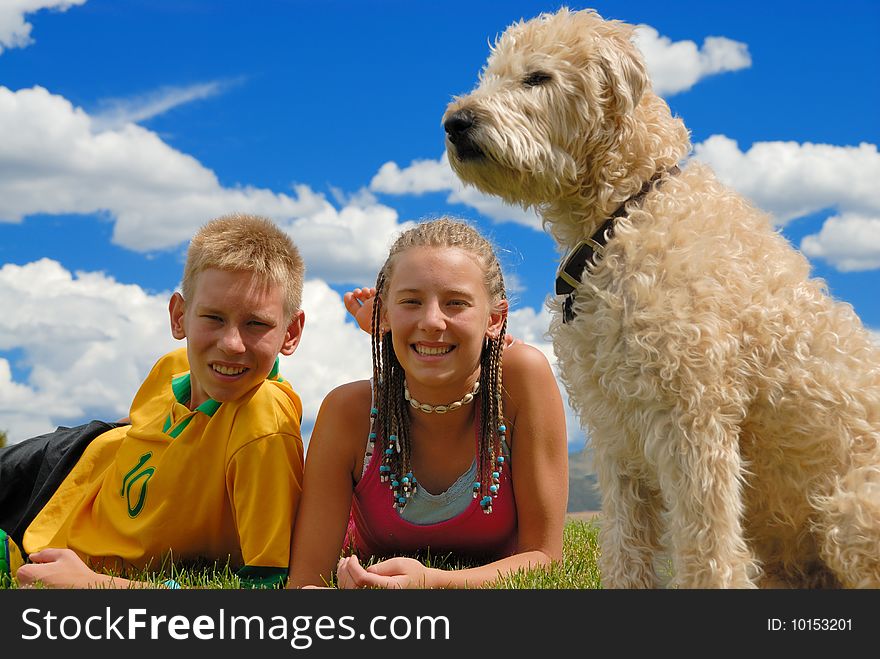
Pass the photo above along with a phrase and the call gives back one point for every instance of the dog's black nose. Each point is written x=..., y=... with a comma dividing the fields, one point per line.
x=458, y=125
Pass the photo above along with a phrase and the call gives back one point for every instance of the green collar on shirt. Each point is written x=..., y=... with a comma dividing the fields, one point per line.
x=273, y=374
x=181, y=386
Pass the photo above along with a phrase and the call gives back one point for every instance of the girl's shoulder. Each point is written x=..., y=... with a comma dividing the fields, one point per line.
x=529, y=382
x=350, y=392
x=348, y=402
x=522, y=360
x=343, y=422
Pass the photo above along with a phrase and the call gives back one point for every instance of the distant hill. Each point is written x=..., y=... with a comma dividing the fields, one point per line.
x=582, y=492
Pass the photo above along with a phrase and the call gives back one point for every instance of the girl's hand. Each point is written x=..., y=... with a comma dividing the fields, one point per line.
x=393, y=573
x=359, y=303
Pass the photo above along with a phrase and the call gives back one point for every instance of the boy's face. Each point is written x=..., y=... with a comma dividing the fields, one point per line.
x=235, y=327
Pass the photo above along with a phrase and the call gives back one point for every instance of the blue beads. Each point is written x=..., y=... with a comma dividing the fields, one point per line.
x=493, y=489
x=502, y=429
x=500, y=460
x=496, y=475
x=373, y=411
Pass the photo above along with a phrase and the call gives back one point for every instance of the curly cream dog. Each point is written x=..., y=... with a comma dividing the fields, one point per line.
x=732, y=405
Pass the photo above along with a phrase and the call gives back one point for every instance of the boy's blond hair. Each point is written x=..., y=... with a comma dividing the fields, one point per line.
x=250, y=243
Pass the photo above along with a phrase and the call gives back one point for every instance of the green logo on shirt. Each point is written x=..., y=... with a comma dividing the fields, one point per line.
x=131, y=478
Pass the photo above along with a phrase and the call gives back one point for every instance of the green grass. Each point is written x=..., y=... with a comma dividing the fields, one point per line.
x=577, y=570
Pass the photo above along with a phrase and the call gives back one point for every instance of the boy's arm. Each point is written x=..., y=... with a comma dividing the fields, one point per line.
x=63, y=568
x=265, y=479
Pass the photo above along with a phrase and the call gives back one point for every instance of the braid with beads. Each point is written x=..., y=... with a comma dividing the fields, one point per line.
x=390, y=414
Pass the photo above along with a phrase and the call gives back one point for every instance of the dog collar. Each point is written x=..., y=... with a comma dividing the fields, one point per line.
x=588, y=252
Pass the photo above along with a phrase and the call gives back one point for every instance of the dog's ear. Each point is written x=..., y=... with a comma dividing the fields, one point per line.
x=626, y=77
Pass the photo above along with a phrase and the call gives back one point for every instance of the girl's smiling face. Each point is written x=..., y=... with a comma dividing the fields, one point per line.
x=439, y=312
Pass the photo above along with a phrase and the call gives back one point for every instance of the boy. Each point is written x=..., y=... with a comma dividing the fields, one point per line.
x=211, y=464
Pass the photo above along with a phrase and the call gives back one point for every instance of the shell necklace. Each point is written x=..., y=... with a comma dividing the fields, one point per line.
x=441, y=409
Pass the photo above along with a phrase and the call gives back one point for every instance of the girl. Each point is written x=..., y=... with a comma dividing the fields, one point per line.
x=434, y=454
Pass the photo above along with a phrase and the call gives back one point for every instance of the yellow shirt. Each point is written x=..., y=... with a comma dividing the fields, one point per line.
x=218, y=483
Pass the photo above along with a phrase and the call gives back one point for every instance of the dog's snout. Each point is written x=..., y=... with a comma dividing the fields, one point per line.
x=458, y=124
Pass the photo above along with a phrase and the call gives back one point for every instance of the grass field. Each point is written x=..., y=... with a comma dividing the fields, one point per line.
x=577, y=570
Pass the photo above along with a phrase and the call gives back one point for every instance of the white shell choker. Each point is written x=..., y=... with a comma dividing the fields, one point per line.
x=441, y=409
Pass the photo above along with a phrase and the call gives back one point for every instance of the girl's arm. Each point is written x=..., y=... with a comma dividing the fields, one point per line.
x=340, y=432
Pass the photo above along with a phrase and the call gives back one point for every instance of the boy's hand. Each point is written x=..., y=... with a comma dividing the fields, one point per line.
x=359, y=303
x=60, y=568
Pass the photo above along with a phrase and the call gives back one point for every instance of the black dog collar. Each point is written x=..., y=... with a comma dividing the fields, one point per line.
x=588, y=252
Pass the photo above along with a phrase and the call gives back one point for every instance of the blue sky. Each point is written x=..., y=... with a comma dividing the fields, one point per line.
x=126, y=124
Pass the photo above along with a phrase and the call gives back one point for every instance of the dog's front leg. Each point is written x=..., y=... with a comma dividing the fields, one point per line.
x=629, y=532
x=701, y=477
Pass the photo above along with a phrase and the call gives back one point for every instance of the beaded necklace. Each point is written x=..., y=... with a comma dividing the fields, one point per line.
x=403, y=488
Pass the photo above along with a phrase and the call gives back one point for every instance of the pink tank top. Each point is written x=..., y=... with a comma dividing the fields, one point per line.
x=377, y=529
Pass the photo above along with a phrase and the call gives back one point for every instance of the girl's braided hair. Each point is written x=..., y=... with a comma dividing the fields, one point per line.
x=390, y=408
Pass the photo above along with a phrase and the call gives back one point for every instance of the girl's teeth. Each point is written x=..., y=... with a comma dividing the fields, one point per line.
x=424, y=350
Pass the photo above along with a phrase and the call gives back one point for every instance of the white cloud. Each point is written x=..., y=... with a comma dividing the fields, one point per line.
x=15, y=31
x=493, y=207
x=115, y=113
x=332, y=351
x=54, y=160
x=423, y=176
x=87, y=341
x=349, y=245
x=791, y=180
x=677, y=66
x=848, y=241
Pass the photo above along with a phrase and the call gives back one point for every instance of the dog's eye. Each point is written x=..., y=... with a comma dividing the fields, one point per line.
x=536, y=78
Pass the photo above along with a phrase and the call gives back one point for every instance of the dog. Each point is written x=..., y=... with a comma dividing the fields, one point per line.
x=732, y=405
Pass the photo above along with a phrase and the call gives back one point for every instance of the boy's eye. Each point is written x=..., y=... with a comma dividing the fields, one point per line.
x=211, y=317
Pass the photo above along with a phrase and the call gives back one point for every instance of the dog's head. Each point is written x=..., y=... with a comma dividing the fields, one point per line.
x=559, y=114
